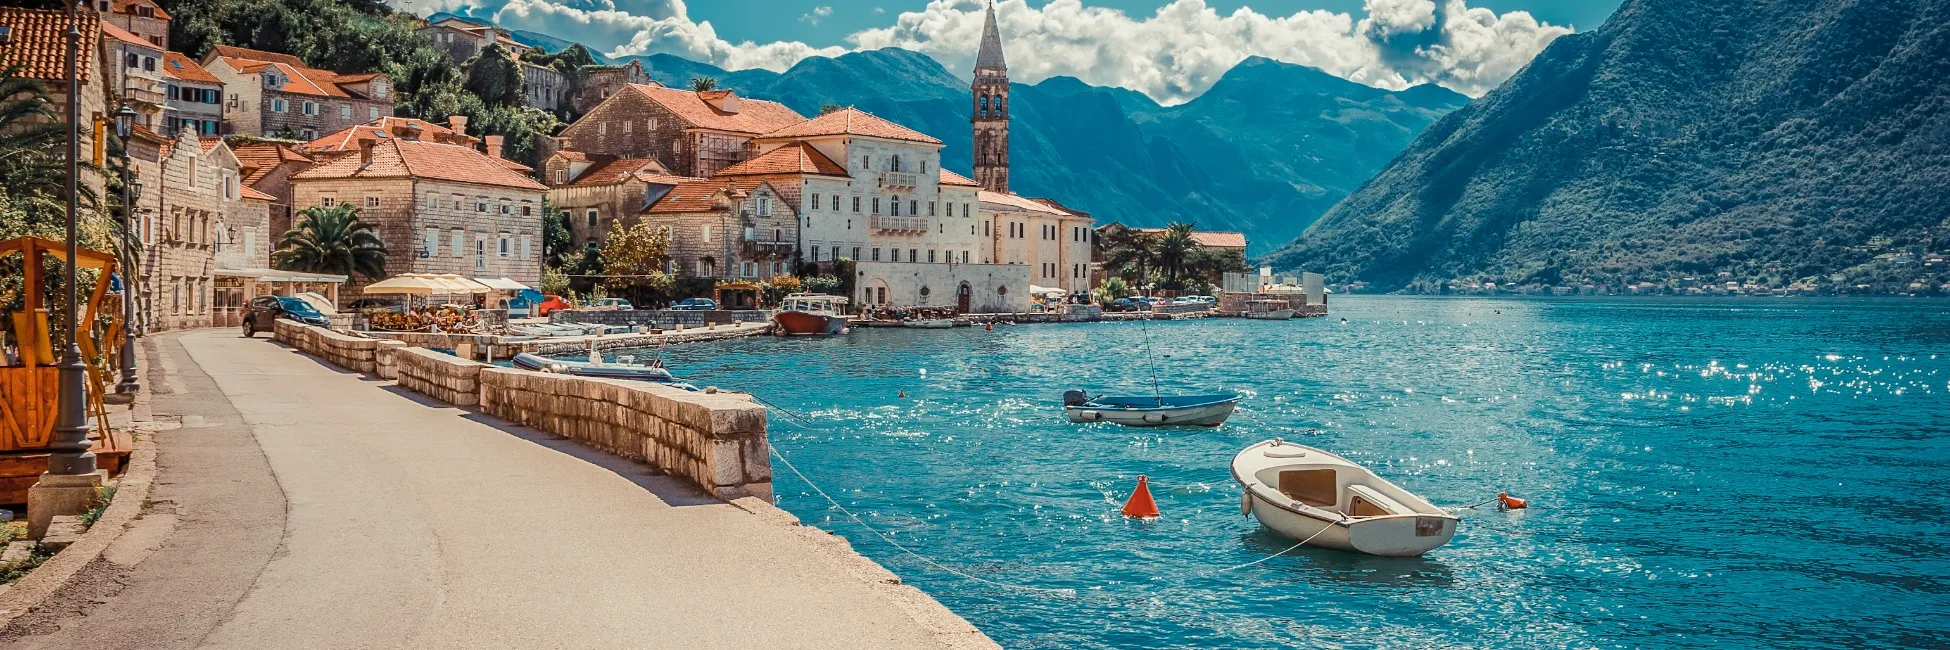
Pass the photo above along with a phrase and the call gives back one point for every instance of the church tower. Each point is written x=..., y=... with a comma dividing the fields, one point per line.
x=991, y=111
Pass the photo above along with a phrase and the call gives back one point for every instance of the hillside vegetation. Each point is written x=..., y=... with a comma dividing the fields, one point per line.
x=1684, y=142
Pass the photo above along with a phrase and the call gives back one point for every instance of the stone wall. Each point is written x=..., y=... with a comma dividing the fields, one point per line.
x=354, y=353
x=441, y=376
x=717, y=440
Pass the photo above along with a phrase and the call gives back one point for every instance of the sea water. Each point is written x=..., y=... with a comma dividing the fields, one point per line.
x=1730, y=473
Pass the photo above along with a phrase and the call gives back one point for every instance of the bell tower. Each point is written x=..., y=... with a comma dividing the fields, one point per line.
x=990, y=114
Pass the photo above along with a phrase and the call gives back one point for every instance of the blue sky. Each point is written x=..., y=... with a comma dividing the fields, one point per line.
x=776, y=20
x=1171, y=50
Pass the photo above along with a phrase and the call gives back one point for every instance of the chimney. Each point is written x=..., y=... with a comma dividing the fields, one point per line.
x=493, y=146
x=458, y=123
x=365, y=151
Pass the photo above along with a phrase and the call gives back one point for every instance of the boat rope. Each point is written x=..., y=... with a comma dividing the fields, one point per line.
x=1282, y=552
x=883, y=537
x=1145, y=328
x=1478, y=503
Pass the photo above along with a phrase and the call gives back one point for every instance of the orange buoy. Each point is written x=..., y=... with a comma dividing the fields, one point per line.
x=903, y=395
x=1140, y=504
x=991, y=326
x=1506, y=502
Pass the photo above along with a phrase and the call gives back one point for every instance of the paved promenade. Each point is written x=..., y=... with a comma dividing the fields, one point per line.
x=300, y=506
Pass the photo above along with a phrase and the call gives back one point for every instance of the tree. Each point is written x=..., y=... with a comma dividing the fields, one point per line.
x=495, y=77
x=30, y=137
x=701, y=84
x=1173, y=250
x=830, y=108
x=331, y=239
x=1127, y=253
x=556, y=238
x=634, y=259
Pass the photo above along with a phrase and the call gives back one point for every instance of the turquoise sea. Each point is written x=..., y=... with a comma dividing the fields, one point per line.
x=1721, y=473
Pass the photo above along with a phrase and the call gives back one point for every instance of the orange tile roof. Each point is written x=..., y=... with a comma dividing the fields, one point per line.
x=1021, y=203
x=128, y=7
x=610, y=170
x=347, y=139
x=260, y=158
x=1208, y=239
x=397, y=158
x=851, y=121
x=299, y=78
x=256, y=195
x=234, y=52
x=113, y=31
x=178, y=66
x=755, y=116
x=668, y=179
x=951, y=178
x=208, y=143
x=793, y=158
x=38, y=45
x=695, y=195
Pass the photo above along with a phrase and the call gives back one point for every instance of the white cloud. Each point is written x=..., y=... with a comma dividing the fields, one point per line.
x=817, y=14
x=1172, y=55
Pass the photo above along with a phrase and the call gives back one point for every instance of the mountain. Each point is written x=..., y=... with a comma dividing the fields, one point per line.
x=1683, y=142
x=1266, y=151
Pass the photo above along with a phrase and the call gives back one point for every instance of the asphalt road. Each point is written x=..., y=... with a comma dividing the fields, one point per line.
x=301, y=506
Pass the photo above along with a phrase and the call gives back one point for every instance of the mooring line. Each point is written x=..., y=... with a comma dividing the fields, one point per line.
x=1269, y=557
x=883, y=537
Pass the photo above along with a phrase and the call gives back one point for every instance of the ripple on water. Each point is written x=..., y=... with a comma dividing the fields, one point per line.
x=1703, y=473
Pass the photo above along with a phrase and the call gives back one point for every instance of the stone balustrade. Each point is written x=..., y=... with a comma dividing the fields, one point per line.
x=717, y=440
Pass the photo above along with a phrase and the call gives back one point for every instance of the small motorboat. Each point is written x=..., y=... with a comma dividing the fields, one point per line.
x=1328, y=501
x=1152, y=411
x=1268, y=310
x=810, y=314
x=654, y=373
x=930, y=323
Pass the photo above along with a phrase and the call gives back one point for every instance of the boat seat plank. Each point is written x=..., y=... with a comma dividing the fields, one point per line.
x=1314, y=487
x=1364, y=501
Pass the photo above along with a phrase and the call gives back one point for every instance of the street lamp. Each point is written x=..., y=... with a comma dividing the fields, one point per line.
x=131, y=189
x=68, y=451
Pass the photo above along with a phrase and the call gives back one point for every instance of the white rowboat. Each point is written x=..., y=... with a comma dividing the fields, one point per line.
x=1310, y=494
x=1138, y=411
x=930, y=323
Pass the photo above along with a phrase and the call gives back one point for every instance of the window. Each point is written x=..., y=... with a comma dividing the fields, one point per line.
x=328, y=201
x=602, y=128
x=480, y=204
x=311, y=108
x=345, y=111
x=856, y=204
x=460, y=242
x=866, y=163
x=372, y=113
x=930, y=256
x=815, y=253
x=433, y=202
x=913, y=255
x=503, y=242
x=895, y=165
x=778, y=234
x=626, y=126
x=985, y=229
x=308, y=134
x=591, y=215
x=815, y=201
x=930, y=208
x=524, y=247
x=480, y=253
x=527, y=210
x=856, y=252
x=964, y=209
x=372, y=201
x=149, y=63
x=764, y=206
x=896, y=206
x=561, y=176
x=707, y=234
x=964, y=257
x=836, y=253
x=876, y=205
x=914, y=207
x=132, y=60
x=876, y=255
x=457, y=201
x=507, y=208
x=433, y=242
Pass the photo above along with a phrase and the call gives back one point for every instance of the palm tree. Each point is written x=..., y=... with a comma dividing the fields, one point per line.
x=1127, y=253
x=1174, y=250
x=30, y=135
x=702, y=84
x=331, y=239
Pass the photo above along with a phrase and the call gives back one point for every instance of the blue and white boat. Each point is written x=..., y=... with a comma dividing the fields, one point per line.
x=1150, y=411
x=651, y=373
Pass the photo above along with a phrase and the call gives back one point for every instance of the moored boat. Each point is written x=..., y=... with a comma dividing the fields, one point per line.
x=657, y=374
x=1329, y=501
x=930, y=323
x=1151, y=411
x=810, y=314
x=1268, y=310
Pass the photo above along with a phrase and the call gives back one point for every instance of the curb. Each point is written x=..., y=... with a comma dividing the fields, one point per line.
x=131, y=494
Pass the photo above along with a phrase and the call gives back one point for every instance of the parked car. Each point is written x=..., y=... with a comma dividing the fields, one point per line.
x=1150, y=302
x=264, y=310
x=696, y=304
x=551, y=303
x=1123, y=304
x=617, y=304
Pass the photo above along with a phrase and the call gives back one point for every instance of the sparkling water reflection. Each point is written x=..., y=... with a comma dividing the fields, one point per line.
x=1711, y=473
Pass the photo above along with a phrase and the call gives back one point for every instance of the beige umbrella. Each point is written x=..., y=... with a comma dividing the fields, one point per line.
x=407, y=283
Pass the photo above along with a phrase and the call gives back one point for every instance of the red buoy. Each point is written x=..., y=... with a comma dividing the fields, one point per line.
x=1140, y=504
x=1506, y=502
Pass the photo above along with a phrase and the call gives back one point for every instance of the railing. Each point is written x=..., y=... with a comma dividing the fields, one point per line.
x=900, y=180
x=904, y=224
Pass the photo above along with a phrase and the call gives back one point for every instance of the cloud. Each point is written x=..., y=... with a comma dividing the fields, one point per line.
x=816, y=15
x=1172, y=55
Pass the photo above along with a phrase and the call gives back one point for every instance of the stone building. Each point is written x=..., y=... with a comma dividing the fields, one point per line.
x=439, y=207
x=454, y=132
x=134, y=72
x=199, y=179
x=726, y=229
x=39, y=48
x=990, y=111
x=541, y=87
x=194, y=97
x=1039, y=233
x=267, y=168
x=268, y=93
x=601, y=81
x=968, y=288
x=599, y=192
x=689, y=133
x=144, y=18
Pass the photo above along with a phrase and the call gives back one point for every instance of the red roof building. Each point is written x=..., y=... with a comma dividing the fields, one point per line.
x=278, y=95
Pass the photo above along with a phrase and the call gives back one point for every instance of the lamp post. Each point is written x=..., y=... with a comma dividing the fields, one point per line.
x=68, y=451
x=131, y=190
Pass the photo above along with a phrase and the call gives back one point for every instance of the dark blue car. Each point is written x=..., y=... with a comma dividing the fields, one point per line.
x=265, y=309
x=696, y=304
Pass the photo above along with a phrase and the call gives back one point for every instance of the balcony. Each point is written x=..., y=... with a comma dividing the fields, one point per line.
x=899, y=181
x=898, y=224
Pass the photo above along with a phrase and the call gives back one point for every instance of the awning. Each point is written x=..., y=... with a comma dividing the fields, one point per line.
x=502, y=284
x=427, y=284
x=318, y=302
x=274, y=275
x=1044, y=291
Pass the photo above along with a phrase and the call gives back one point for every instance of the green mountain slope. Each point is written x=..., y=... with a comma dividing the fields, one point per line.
x=1683, y=142
x=1266, y=151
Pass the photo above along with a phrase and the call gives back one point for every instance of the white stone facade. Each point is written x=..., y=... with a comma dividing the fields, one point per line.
x=969, y=288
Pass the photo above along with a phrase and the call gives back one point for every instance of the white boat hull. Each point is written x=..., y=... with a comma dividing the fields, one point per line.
x=1389, y=536
x=930, y=324
x=1209, y=415
x=1345, y=507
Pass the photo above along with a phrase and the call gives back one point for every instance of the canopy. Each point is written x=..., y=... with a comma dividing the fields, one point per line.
x=502, y=284
x=318, y=302
x=427, y=284
x=1044, y=291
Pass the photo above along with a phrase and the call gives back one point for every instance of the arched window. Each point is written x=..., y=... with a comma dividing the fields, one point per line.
x=897, y=164
x=985, y=101
x=897, y=206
